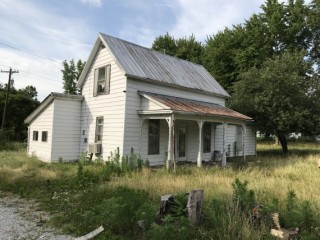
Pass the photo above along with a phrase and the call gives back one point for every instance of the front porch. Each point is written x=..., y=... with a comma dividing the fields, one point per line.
x=193, y=139
x=180, y=129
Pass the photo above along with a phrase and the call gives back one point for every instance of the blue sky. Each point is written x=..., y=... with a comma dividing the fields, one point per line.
x=60, y=30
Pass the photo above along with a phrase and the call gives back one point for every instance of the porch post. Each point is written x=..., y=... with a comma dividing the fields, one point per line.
x=244, y=130
x=224, y=156
x=170, y=157
x=199, y=159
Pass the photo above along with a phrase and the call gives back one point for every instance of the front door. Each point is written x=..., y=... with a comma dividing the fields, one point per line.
x=182, y=131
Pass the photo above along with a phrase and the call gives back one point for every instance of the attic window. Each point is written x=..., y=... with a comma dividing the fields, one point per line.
x=102, y=80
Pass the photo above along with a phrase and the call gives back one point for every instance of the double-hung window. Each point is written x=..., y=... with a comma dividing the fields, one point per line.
x=206, y=137
x=102, y=80
x=154, y=137
x=99, y=129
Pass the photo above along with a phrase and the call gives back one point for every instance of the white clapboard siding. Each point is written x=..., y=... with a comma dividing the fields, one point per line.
x=111, y=107
x=218, y=137
x=132, y=119
x=231, y=139
x=147, y=104
x=250, y=141
x=66, y=130
x=43, y=122
x=192, y=138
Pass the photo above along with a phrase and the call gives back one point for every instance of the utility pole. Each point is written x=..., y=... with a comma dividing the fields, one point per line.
x=7, y=96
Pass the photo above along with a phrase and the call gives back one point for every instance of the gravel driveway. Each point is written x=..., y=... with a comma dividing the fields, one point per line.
x=21, y=219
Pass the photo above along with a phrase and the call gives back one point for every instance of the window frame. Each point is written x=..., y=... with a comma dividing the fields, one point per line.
x=99, y=135
x=154, y=137
x=206, y=137
x=44, y=136
x=35, y=135
x=100, y=81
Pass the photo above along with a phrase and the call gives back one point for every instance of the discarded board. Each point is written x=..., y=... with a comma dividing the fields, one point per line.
x=91, y=234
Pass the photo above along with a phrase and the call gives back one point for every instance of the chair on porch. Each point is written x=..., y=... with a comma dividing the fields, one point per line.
x=216, y=156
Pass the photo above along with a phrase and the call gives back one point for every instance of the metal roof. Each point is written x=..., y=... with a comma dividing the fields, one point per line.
x=177, y=104
x=144, y=63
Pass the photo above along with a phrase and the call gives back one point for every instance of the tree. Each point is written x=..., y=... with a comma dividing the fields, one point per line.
x=21, y=103
x=314, y=19
x=29, y=91
x=165, y=44
x=183, y=48
x=281, y=96
x=70, y=76
x=277, y=29
x=220, y=54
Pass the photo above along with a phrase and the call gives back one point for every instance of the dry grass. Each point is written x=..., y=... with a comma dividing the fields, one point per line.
x=269, y=175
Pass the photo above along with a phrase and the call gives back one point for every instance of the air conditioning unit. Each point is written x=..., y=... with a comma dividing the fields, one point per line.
x=95, y=148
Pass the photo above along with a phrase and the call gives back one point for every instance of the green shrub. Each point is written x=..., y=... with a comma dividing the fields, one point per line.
x=126, y=165
x=308, y=216
x=85, y=178
x=291, y=218
x=173, y=228
x=242, y=197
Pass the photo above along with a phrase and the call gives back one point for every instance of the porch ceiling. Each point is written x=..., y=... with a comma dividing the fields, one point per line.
x=188, y=106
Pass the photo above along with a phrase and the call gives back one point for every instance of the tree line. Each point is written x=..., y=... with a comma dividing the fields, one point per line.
x=269, y=64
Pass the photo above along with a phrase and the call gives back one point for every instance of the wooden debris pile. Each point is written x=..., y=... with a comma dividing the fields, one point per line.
x=193, y=207
x=283, y=233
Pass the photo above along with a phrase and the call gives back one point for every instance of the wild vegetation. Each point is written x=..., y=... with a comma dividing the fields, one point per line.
x=269, y=65
x=84, y=195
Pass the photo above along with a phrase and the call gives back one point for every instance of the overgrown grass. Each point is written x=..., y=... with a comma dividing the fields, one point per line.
x=82, y=196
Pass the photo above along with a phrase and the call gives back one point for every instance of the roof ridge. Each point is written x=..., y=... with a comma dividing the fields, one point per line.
x=150, y=49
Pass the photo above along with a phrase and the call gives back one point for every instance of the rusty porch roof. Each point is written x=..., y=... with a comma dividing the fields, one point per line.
x=184, y=105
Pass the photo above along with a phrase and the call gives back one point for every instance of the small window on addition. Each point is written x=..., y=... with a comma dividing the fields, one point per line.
x=35, y=136
x=44, y=136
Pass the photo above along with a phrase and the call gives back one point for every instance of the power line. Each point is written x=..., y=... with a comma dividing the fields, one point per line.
x=36, y=55
x=42, y=76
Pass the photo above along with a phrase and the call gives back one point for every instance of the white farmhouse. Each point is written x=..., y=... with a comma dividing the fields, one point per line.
x=135, y=97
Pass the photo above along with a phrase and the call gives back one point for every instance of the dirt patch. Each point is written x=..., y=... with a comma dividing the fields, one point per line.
x=22, y=219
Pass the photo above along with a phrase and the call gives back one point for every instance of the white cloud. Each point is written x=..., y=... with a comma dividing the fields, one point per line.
x=44, y=75
x=45, y=33
x=206, y=17
x=96, y=3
